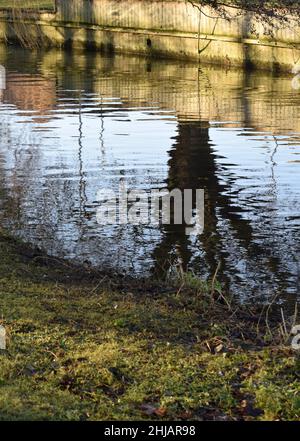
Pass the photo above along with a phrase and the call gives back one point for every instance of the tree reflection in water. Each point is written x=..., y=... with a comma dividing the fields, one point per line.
x=82, y=122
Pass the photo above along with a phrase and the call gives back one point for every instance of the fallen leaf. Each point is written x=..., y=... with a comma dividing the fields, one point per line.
x=149, y=409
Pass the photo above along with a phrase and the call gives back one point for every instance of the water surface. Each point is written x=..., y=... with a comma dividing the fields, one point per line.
x=73, y=124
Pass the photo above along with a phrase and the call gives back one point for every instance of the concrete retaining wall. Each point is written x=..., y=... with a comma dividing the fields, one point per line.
x=167, y=28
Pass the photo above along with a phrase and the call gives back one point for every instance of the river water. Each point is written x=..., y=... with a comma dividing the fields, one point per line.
x=73, y=124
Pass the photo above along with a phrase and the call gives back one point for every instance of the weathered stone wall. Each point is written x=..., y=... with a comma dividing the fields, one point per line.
x=170, y=15
x=172, y=28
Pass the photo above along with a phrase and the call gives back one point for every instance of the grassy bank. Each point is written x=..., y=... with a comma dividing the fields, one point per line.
x=24, y=4
x=84, y=346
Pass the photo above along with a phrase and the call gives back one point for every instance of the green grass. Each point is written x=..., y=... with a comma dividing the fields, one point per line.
x=83, y=346
x=24, y=4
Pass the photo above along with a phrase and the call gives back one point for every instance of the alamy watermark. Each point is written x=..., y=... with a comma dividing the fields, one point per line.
x=153, y=207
